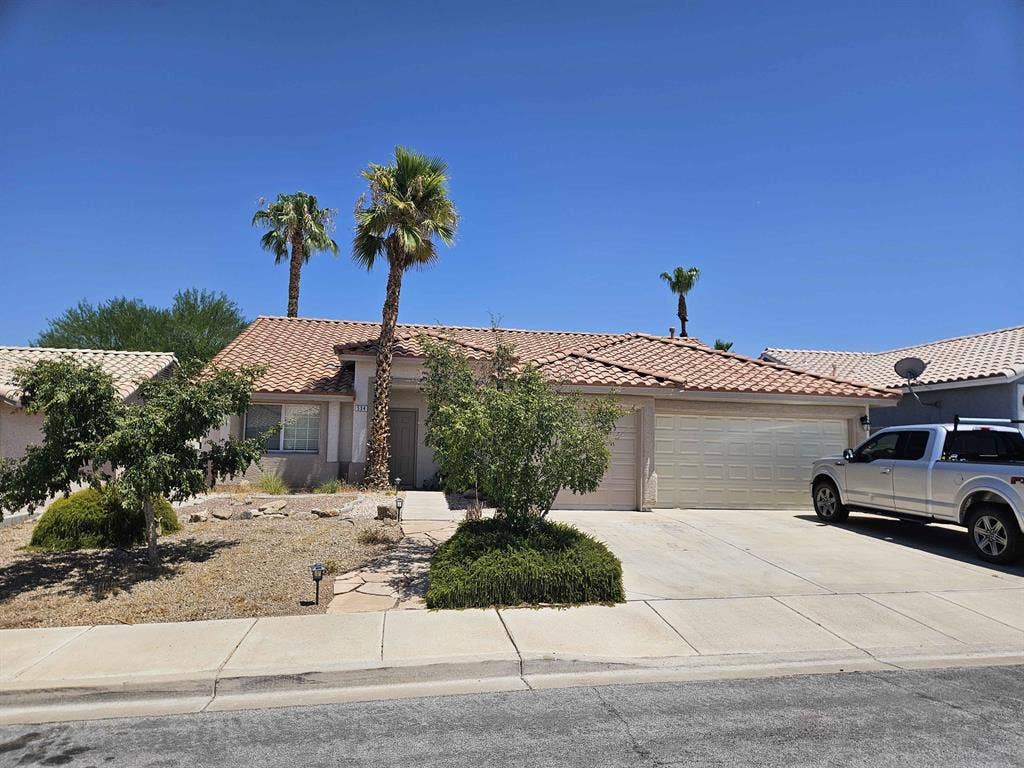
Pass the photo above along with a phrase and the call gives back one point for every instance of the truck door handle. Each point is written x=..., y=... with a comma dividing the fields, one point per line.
x=886, y=471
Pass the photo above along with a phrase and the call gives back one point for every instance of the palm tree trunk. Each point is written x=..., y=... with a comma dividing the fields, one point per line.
x=152, y=552
x=294, y=273
x=378, y=449
x=682, y=314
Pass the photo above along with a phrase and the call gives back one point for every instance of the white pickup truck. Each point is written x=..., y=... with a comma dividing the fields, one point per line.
x=968, y=473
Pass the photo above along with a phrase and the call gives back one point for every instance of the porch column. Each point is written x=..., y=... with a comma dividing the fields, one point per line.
x=333, y=429
x=360, y=420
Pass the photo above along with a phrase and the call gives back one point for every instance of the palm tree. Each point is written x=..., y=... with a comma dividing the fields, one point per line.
x=408, y=206
x=298, y=222
x=680, y=281
x=723, y=346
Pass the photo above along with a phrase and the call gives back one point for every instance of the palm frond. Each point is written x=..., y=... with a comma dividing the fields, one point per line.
x=406, y=207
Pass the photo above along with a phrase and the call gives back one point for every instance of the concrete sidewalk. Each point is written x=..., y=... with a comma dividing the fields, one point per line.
x=110, y=670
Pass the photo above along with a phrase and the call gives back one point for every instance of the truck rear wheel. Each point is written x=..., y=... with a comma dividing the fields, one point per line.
x=827, y=505
x=994, y=532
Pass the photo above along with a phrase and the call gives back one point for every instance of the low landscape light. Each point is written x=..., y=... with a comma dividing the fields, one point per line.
x=317, y=570
x=399, y=501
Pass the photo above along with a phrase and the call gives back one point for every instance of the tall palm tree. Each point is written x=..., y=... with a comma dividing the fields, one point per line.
x=408, y=207
x=723, y=346
x=296, y=222
x=680, y=281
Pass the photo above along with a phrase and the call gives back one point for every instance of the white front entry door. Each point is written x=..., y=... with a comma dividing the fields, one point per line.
x=723, y=462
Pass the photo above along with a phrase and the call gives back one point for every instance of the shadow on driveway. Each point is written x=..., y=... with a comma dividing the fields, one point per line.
x=934, y=538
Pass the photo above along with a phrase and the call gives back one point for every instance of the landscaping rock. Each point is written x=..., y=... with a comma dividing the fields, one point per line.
x=242, y=514
x=387, y=512
x=278, y=515
x=198, y=517
x=303, y=516
x=324, y=512
x=222, y=514
x=277, y=506
x=255, y=513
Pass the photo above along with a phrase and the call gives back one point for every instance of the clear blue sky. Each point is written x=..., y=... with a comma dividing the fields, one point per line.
x=846, y=175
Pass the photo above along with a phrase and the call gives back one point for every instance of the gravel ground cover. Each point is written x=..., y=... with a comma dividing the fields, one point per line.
x=214, y=569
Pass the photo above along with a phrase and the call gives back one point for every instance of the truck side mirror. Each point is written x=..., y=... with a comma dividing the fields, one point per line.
x=848, y=454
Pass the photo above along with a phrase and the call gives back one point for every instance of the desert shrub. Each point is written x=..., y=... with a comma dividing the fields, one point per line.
x=377, y=535
x=488, y=563
x=507, y=433
x=97, y=519
x=272, y=484
x=331, y=486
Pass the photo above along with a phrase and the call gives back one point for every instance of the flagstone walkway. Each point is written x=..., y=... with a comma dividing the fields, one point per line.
x=398, y=580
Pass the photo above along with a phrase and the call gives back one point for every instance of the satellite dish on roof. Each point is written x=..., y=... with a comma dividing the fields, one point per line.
x=910, y=368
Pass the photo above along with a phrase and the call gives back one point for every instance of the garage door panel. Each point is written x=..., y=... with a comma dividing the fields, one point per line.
x=735, y=462
x=618, y=487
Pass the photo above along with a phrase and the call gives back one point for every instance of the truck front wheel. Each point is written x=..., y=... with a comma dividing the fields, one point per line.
x=827, y=505
x=994, y=532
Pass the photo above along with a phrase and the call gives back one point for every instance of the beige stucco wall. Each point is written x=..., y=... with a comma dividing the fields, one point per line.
x=300, y=470
x=18, y=430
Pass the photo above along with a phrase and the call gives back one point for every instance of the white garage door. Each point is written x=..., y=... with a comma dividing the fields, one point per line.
x=618, y=488
x=740, y=462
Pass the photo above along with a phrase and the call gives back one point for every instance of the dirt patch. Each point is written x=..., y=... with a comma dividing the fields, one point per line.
x=217, y=569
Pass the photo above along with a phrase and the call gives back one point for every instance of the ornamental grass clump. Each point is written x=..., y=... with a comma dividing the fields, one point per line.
x=271, y=484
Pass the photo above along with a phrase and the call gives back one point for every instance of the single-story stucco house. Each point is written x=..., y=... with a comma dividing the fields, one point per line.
x=979, y=376
x=18, y=429
x=705, y=428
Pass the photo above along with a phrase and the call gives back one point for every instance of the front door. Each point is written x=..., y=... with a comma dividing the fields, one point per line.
x=402, y=426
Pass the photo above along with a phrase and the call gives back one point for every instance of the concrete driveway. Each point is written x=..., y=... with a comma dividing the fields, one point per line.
x=674, y=554
x=765, y=581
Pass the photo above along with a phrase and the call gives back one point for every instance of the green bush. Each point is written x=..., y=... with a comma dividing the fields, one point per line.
x=272, y=484
x=487, y=563
x=95, y=519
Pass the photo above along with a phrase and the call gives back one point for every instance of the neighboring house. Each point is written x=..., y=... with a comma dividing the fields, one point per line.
x=980, y=376
x=18, y=429
x=705, y=428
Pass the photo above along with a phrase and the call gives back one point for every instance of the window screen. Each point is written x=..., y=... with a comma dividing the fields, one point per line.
x=260, y=419
x=301, y=428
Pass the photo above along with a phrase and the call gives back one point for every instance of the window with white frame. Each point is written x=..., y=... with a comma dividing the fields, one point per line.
x=291, y=428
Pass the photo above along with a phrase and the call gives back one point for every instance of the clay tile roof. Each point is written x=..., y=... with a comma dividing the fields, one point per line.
x=128, y=369
x=964, y=358
x=305, y=356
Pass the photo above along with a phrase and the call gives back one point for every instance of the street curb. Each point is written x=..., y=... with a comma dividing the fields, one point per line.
x=24, y=704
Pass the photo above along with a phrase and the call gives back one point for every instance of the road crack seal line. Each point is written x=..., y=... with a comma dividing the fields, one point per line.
x=631, y=738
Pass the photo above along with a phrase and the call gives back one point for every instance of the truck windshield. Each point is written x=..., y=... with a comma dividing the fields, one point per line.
x=983, y=446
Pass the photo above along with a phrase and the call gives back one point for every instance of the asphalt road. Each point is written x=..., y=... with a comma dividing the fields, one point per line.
x=969, y=717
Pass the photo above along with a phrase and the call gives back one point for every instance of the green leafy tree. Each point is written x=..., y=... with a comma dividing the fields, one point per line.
x=508, y=434
x=408, y=207
x=195, y=328
x=723, y=345
x=680, y=282
x=295, y=222
x=157, y=446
